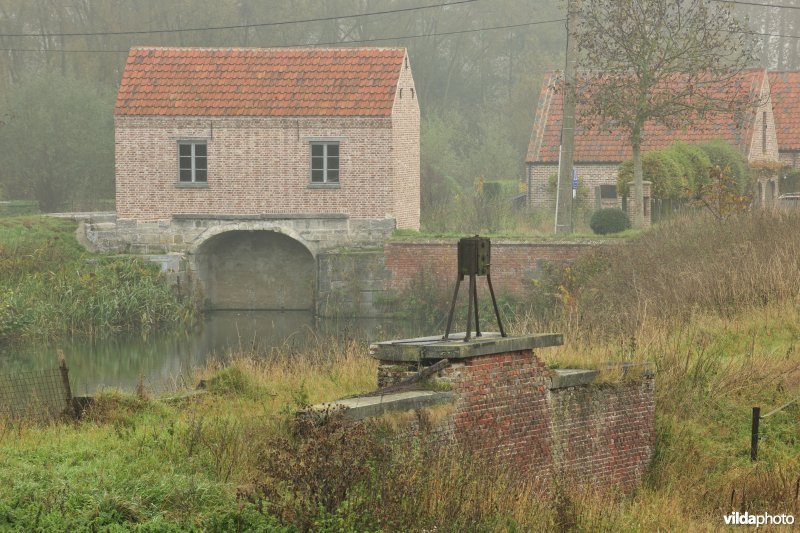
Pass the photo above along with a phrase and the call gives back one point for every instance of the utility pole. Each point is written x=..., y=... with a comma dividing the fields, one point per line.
x=564, y=217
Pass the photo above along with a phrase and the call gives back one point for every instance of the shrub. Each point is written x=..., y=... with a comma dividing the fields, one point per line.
x=661, y=168
x=724, y=155
x=611, y=220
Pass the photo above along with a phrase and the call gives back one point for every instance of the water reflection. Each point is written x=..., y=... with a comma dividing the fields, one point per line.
x=164, y=359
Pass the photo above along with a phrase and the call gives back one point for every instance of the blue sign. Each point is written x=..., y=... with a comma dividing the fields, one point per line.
x=574, y=178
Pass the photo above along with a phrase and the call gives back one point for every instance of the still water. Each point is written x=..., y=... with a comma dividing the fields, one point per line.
x=165, y=359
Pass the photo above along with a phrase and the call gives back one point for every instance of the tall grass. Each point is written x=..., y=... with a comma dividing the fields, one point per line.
x=234, y=458
x=49, y=286
x=686, y=265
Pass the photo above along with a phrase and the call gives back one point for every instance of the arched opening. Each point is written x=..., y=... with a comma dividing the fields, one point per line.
x=256, y=270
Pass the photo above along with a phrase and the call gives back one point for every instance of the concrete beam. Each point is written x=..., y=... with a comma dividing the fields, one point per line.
x=373, y=406
x=455, y=348
x=572, y=377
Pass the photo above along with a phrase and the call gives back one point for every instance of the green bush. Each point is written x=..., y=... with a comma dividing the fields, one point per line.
x=659, y=167
x=695, y=163
x=610, y=220
x=724, y=155
x=679, y=170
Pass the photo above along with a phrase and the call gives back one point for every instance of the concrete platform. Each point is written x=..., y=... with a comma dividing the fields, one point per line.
x=572, y=377
x=435, y=348
x=372, y=406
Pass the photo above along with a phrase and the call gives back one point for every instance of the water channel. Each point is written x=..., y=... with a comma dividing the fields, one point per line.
x=165, y=359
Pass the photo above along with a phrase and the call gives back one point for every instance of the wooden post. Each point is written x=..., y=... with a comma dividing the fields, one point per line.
x=754, y=434
x=62, y=366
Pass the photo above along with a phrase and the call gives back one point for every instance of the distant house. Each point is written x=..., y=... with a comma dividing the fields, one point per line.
x=785, y=93
x=242, y=132
x=598, y=153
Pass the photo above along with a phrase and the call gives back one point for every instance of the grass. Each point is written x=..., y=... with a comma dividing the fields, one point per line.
x=230, y=459
x=50, y=287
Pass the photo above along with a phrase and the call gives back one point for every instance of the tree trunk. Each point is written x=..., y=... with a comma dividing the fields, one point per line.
x=638, y=195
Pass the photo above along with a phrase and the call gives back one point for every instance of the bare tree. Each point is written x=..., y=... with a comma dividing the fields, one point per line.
x=669, y=62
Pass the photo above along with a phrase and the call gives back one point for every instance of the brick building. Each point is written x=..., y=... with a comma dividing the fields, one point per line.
x=599, y=153
x=785, y=93
x=248, y=131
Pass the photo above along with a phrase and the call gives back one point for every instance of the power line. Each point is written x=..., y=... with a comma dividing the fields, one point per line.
x=767, y=34
x=356, y=41
x=756, y=4
x=240, y=26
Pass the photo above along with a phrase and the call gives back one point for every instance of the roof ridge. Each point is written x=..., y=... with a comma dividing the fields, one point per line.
x=281, y=48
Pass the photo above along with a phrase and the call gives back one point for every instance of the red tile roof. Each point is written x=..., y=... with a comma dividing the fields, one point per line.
x=600, y=146
x=785, y=94
x=263, y=82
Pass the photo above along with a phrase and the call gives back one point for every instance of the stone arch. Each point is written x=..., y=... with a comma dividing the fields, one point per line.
x=244, y=267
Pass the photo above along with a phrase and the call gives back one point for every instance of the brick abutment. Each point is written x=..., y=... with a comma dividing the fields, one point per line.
x=507, y=406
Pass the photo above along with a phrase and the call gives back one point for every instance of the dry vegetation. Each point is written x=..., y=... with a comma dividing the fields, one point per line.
x=232, y=459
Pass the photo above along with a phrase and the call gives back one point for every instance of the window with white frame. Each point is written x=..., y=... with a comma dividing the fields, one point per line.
x=192, y=162
x=325, y=162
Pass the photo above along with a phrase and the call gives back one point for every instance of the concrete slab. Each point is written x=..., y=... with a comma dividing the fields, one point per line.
x=455, y=348
x=373, y=406
x=572, y=377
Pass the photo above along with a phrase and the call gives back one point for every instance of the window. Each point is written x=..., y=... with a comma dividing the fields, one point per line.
x=608, y=192
x=325, y=162
x=192, y=162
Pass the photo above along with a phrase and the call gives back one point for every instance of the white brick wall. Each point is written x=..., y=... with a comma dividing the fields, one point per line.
x=405, y=147
x=260, y=165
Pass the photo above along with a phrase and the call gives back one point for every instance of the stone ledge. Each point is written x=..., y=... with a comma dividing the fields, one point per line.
x=572, y=377
x=455, y=348
x=373, y=406
x=264, y=216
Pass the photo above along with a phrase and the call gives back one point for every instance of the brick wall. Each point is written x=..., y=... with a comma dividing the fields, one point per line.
x=502, y=408
x=514, y=264
x=590, y=176
x=790, y=159
x=764, y=141
x=509, y=409
x=256, y=166
x=405, y=151
x=604, y=433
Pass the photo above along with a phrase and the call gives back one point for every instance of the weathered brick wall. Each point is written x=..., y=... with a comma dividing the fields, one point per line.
x=604, y=433
x=790, y=159
x=514, y=264
x=541, y=195
x=764, y=141
x=508, y=409
x=502, y=408
x=255, y=166
x=405, y=151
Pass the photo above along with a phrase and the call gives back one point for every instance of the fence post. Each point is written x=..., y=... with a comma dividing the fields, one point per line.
x=754, y=434
x=62, y=366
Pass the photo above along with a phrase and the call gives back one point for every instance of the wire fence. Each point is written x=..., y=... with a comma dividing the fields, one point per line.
x=38, y=394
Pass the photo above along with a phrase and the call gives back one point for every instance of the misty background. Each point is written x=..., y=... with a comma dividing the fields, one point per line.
x=478, y=66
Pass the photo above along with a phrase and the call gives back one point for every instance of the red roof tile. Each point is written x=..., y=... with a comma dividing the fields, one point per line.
x=264, y=82
x=596, y=145
x=785, y=94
